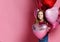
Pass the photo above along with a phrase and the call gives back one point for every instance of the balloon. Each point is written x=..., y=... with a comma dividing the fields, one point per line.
x=52, y=15
x=40, y=30
x=49, y=3
x=35, y=13
x=40, y=35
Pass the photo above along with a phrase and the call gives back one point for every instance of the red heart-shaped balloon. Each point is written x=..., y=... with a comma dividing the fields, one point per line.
x=49, y=3
x=45, y=3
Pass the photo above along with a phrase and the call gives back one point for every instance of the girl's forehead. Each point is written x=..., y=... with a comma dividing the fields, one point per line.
x=40, y=12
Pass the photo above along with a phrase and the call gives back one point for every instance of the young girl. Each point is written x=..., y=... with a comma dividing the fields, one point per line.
x=41, y=27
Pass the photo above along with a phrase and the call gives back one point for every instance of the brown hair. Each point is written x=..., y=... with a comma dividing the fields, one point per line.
x=37, y=15
x=38, y=20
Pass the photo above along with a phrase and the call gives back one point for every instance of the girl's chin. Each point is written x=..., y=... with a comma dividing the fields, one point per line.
x=40, y=18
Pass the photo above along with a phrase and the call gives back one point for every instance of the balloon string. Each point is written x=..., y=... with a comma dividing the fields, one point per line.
x=37, y=3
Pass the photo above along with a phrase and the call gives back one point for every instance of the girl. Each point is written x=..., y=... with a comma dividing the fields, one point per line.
x=41, y=27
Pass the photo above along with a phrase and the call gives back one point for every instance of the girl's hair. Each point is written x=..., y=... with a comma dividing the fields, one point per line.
x=37, y=15
x=38, y=20
x=43, y=16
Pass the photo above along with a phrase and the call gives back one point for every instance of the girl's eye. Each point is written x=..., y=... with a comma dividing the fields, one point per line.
x=40, y=14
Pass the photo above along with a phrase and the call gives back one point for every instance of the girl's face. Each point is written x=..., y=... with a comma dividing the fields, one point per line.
x=40, y=15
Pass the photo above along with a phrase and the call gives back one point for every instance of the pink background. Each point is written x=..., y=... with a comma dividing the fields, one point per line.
x=16, y=18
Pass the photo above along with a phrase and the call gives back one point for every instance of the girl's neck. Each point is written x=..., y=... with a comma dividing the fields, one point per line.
x=42, y=20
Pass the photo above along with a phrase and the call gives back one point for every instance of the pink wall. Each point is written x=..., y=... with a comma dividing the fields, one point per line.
x=16, y=18
x=15, y=24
